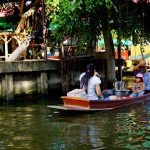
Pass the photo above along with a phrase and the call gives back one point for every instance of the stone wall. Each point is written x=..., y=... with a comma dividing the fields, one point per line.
x=28, y=77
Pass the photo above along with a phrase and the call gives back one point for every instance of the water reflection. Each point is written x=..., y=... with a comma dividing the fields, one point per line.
x=37, y=127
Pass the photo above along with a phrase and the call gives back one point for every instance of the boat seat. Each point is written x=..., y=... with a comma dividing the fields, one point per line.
x=147, y=91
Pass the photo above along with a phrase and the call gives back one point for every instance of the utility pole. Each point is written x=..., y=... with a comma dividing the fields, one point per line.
x=44, y=30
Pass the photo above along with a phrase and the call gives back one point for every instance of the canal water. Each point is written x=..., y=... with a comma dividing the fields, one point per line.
x=31, y=125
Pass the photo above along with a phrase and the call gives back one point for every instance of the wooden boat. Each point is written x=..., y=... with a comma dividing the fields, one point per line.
x=80, y=104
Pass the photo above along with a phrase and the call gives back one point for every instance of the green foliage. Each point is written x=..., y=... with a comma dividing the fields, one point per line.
x=84, y=18
x=77, y=17
x=147, y=137
x=146, y=145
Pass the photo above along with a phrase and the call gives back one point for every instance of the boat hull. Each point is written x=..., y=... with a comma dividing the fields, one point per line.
x=80, y=103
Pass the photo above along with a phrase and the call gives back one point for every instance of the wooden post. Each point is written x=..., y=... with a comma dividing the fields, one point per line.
x=44, y=83
x=3, y=88
x=9, y=89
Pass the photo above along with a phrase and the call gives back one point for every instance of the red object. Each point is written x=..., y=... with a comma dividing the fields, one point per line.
x=80, y=104
x=52, y=57
x=124, y=54
x=105, y=91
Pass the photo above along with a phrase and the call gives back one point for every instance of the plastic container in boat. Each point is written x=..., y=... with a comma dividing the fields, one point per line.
x=121, y=93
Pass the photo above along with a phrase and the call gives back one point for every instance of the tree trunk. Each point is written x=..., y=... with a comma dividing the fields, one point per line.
x=22, y=6
x=111, y=75
x=19, y=50
x=20, y=28
x=66, y=63
x=110, y=57
x=24, y=17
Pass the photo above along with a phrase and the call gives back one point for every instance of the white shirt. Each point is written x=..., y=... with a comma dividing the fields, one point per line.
x=93, y=81
x=81, y=76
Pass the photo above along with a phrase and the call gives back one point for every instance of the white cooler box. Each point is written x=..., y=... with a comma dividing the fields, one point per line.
x=77, y=93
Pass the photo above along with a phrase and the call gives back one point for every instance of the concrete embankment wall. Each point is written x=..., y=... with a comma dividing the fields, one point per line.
x=28, y=77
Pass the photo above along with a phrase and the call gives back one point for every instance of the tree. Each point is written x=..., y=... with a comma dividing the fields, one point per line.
x=88, y=18
x=25, y=17
x=28, y=13
x=19, y=13
x=81, y=18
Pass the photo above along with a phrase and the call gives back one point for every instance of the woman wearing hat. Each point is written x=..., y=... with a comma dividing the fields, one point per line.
x=138, y=87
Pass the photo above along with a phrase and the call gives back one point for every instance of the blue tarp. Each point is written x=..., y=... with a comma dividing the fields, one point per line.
x=139, y=57
x=52, y=27
x=123, y=42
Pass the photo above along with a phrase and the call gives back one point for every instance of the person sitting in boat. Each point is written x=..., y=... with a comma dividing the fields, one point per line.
x=142, y=66
x=90, y=82
x=138, y=88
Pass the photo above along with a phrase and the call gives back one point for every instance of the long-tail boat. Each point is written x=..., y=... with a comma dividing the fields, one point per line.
x=81, y=104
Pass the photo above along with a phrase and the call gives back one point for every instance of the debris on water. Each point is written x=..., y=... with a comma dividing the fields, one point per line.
x=56, y=112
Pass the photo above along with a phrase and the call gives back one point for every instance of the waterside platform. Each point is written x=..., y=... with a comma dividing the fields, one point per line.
x=27, y=77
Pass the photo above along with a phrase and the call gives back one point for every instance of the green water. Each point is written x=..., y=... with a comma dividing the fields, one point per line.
x=32, y=126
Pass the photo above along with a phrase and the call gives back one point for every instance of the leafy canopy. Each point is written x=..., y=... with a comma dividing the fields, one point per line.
x=83, y=18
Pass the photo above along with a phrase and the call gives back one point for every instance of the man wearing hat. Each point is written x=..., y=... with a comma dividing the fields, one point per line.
x=146, y=75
